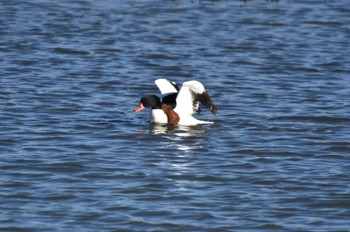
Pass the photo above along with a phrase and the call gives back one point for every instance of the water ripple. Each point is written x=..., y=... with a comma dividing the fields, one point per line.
x=74, y=155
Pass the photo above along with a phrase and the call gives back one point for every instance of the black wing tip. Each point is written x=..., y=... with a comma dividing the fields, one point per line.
x=205, y=99
x=213, y=109
x=173, y=83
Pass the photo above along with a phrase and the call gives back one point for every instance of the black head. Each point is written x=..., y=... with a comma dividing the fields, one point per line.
x=151, y=101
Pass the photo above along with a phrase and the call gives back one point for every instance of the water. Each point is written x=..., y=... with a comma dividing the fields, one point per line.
x=73, y=155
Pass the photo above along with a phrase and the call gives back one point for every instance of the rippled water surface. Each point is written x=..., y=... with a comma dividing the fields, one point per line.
x=75, y=157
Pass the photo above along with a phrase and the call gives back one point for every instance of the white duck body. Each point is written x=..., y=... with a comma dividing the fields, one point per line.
x=158, y=116
x=189, y=120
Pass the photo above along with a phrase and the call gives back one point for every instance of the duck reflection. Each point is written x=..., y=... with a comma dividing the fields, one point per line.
x=156, y=128
x=178, y=130
x=176, y=150
x=180, y=138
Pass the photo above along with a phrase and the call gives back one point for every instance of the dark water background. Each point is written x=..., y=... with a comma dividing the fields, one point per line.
x=74, y=157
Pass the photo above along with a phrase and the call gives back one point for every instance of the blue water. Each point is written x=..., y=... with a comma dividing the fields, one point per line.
x=75, y=157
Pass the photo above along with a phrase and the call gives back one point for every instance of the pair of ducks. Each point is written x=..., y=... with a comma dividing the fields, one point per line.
x=177, y=105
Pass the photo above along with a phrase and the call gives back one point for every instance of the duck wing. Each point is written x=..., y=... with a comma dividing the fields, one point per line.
x=190, y=95
x=166, y=86
x=169, y=90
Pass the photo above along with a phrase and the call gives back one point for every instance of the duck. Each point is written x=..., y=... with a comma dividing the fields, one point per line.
x=178, y=104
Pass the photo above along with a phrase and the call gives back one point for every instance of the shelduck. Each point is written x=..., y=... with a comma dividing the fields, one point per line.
x=177, y=105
